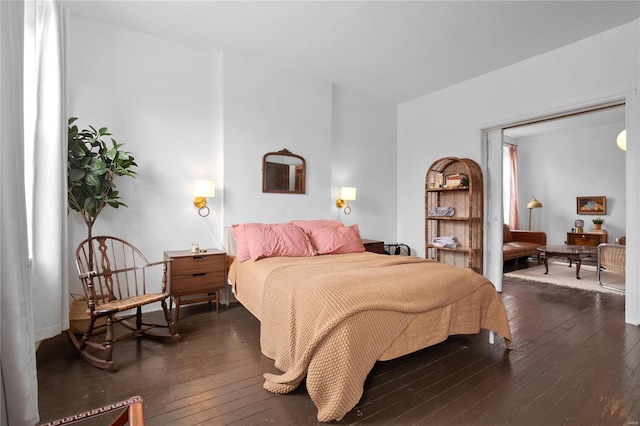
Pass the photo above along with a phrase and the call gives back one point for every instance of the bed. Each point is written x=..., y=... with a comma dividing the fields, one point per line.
x=329, y=314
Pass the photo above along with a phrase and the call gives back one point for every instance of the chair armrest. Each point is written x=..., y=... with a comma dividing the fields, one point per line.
x=129, y=269
x=159, y=262
x=165, y=265
x=537, y=237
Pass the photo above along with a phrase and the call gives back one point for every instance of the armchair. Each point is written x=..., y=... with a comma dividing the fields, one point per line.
x=611, y=257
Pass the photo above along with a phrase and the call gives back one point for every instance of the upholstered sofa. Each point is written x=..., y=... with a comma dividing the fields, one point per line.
x=517, y=244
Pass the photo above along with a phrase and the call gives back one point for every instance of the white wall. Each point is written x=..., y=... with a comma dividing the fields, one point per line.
x=159, y=99
x=190, y=114
x=556, y=168
x=346, y=139
x=449, y=122
x=364, y=156
x=267, y=109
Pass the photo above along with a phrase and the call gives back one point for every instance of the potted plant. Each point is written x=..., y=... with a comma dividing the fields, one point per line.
x=597, y=223
x=92, y=167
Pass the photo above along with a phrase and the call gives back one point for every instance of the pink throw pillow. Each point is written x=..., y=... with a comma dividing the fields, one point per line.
x=308, y=225
x=281, y=239
x=337, y=240
x=242, y=246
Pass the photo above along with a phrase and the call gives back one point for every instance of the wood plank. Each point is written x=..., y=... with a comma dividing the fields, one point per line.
x=575, y=362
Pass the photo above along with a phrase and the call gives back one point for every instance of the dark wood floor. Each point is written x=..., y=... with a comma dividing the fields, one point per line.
x=575, y=362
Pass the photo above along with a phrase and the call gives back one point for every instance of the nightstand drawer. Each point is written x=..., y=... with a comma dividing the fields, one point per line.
x=197, y=264
x=196, y=283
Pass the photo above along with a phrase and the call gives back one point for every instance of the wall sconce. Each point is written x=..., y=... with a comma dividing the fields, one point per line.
x=203, y=189
x=621, y=140
x=346, y=194
x=533, y=204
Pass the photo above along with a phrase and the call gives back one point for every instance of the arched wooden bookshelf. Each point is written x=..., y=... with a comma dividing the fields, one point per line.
x=466, y=200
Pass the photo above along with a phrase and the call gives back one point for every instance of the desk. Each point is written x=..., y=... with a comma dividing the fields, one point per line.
x=571, y=252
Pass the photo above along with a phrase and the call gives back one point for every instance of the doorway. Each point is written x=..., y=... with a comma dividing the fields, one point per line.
x=492, y=138
x=565, y=158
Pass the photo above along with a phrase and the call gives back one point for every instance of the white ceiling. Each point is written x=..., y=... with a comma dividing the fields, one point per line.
x=393, y=50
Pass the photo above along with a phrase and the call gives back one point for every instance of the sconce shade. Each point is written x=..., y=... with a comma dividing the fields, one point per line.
x=348, y=193
x=621, y=140
x=203, y=189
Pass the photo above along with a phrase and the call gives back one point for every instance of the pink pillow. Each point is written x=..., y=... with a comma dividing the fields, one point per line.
x=337, y=240
x=242, y=246
x=308, y=225
x=281, y=239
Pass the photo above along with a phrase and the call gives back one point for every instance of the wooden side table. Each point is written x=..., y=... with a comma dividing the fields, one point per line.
x=196, y=277
x=373, y=246
x=586, y=238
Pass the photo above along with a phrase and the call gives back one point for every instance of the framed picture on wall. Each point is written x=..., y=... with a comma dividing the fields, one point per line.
x=591, y=205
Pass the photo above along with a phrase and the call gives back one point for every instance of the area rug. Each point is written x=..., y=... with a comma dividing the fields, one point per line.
x=561, y=274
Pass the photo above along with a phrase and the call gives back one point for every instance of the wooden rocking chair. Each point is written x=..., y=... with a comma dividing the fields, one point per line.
x=114, y=284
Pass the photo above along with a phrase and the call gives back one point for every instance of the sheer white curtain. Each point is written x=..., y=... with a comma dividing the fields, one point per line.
x=33, y=302
x=19, y=387
x=514, y=214
x=49, y=269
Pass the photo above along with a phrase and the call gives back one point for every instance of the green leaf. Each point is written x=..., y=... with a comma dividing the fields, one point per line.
x=91, y=168
x=76, y=175
x=92, y=180
x=111, y=154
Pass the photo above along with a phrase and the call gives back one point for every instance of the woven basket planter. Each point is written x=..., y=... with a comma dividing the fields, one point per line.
x=78, y=316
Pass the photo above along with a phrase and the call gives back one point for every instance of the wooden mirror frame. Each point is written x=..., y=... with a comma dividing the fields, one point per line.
x=275, y=175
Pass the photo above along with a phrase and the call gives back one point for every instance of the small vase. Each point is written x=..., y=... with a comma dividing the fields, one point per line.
x=597, y=226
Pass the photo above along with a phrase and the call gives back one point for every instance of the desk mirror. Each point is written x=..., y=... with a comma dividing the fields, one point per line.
x=283, y=172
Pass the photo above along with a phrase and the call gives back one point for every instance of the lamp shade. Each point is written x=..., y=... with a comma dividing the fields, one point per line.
x=621, y=140
x=348, y=193
x=534, y=204
x=204, y=188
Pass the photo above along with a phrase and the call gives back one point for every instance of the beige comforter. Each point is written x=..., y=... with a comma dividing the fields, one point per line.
x=331, y=322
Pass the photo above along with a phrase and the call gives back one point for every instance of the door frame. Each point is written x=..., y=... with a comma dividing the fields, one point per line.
x=491, y=150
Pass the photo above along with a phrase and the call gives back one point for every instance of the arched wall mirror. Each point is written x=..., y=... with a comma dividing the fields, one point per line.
x=283, y=172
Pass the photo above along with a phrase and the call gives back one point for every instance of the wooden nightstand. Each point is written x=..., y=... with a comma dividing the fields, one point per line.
x=374, y=246
x=196, y=277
